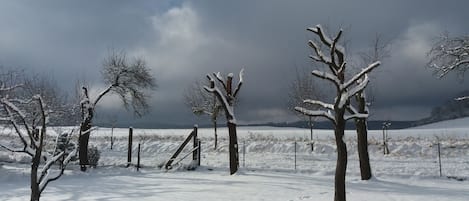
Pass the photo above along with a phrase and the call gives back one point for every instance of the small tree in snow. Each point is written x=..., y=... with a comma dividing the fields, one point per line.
x=450, y=54
x=128, y=80
x=345, y=90
x=303, y=87
x=227, y=99
x=202, y=102
x=30, y=126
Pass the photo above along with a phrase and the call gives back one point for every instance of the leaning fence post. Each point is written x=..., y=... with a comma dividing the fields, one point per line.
x=129, y=149
x=138, y=157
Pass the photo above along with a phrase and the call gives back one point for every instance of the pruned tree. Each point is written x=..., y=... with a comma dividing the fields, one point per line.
x=378, y=51
x=450, y=54
x=346, y=89
x=28, y=116
x=202, y=102
x=301, y=88
x=127, y=79
x=227, y=98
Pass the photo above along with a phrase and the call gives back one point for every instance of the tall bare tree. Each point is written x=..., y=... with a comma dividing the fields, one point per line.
x=129, y=80
x=227, y=97
x=202, y=102
x=378, y=51
x=450, y=54
x=28, y=116
x=334, y=59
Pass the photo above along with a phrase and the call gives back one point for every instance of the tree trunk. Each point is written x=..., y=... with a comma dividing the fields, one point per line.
x=216, y=135
x=233, y=148
x=341, y=166
x=362, y=141
x=35, y=191
x=83, y=144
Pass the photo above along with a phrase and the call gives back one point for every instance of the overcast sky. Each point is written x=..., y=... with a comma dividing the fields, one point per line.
x=184, y=40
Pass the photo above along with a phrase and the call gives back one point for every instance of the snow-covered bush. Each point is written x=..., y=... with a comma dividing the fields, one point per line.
x=93, y=156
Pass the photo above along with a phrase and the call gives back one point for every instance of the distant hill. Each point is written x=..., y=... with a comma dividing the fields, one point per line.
x=452, y=109
x=453, y=123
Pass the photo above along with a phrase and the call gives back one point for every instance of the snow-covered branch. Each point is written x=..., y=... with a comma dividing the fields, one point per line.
x=240, y=82
x=359, y=75
x=327, y=76
x=354, y=114
x=316, y=113
x=320, y=103
x=462, y=98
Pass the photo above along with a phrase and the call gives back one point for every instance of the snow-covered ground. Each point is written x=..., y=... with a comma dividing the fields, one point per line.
x=267, y=160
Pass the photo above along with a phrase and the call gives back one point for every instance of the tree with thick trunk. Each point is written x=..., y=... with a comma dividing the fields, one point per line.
x=227, y=99
x=129, y=80
x=345, y=90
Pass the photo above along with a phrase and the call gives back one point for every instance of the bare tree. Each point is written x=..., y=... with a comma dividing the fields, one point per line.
x=227, y=99
x=202, y=102
x=345, y=90
x=303, y=87
x=127, y=79
x=450, y=54
x=378, y=51
x=29, y=118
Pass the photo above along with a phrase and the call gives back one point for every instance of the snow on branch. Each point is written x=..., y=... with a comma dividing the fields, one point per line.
x=359, y=75
x=214, y=89
x=462, y=98
x=316, y=113
x=320, y=103
x=354, y=114
x=449, y=54
x=321, y=57
x=241, y=75
x=327, y=76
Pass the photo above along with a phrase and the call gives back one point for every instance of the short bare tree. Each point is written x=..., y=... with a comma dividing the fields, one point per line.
x=301, y=88
x=202, y=102
x=28, y=116
x=227, y=97
x=336, y=112
x=129, y=79
x=450, y=54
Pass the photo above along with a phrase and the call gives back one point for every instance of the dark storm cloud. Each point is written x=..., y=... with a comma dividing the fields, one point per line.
x=182, y=41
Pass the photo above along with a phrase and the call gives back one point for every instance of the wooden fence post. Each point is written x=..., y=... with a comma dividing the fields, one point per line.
x=129, y=149
x=295, y=155
x=195, y=143
x=112, y=137
x=138, y=157
x=439, y=157
x=199, y=150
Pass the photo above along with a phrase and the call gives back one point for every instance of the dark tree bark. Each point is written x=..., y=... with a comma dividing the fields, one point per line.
x=87, y=114
x=233, y=147
x=341, y=165
x=362, y=140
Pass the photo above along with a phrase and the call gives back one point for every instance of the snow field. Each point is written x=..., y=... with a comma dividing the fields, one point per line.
x=409, y=172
